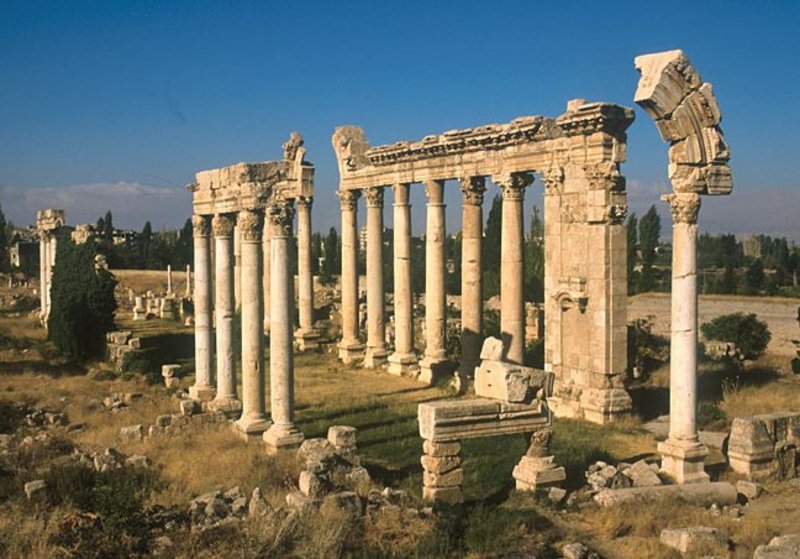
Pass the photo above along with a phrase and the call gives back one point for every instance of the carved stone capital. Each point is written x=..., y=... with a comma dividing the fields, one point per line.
x=374, y=197
x=281, y=217
x=472, y=189
x=304, y=202
x=222, y=224
x=684, y=207
x=513, y=184
x=201, y=226
x=251, y=225
x=348, y=199
x=553, y=179
x=604, y=176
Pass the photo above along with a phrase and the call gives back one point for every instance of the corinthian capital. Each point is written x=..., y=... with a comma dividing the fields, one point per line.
x=281, y=216
x=472, y=189
x=251, y=225
x=684, y=206
x=201, y=226
x=553, y=179
x=348, y=199
x=304, y=201
x=222, y=225
x=513, y=184
x=374, y=197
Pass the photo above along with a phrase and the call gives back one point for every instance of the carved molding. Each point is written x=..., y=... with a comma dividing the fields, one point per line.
x=281, y=216
x=222, y=225
x=251, y=225
x=348, y=199
x=201, y=225
x=685, y=207
x=374, y=197
x=472, y=189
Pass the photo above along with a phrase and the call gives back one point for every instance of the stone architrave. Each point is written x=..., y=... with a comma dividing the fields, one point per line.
x=376, y=352
x=686, y=114
x=350, y=348
x=472, y=189
x=253, y=421
x=435, y=360
x=226, y=399
x=404, y=359
x=306, y=336
x=283, y=433
x=203, y=388
x=512, y=269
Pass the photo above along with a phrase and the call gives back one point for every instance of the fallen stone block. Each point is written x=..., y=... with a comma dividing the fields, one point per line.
x=749, y=489
x=780, y=547
x=189, y=407
x=694, y=539
x=346, y=501
x=137, y=461
x=509, y=382
x=575, y=551
x=132, y=433
x=700, y=494
x=342, y=437
x=312, y=484
x=492, y=349
x=258, y=505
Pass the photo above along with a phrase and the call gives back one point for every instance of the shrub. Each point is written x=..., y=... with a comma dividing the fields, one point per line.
x=646, y=351
x=83, y=301
x=749, y=334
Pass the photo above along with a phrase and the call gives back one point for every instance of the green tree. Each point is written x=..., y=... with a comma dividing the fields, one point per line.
x=750, y=335
x=490, y=257
x=144, y=244
x=649, y=234
x=108, y=231
x=754, y=278
x=5, y=264
x=534, y=259
x=83, y=301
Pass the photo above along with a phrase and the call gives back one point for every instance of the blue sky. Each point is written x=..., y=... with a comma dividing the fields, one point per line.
x=117, y=104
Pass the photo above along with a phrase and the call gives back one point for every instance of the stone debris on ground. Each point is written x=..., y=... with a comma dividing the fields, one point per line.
x=780, y=547
x=602, y=475
x=695, y=539
x=578, y=551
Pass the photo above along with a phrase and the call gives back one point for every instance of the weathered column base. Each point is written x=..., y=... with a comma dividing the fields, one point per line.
x=403, y=364
x=282, y=437
x=231, y=407
x=683, y=461
x=532, y=473
x=431, y=369
x=306, y=340
x=375, y=357
x=204, y=393
x=252, y=428
x=351, y=351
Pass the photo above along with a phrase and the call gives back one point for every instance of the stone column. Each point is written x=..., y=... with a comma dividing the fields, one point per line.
x=188, y=290
x=203, y=388
x=682, y=453
x=225, y=399
x=237, y=268
x=376, y=312
x=472, y=189
x=169, y=280
x=350, y=348
x=434, y=362
x=253, y=421
x=306, y=336
x=44, y=260
x=404, y=359
x=265, y=277
x=512, y=270
x=283, y=433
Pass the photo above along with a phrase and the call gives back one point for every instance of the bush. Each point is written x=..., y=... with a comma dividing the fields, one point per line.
x=83, y=301
x=750, y=335
x=646, y=350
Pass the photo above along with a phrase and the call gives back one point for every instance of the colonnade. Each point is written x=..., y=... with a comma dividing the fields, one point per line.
x=404, y=359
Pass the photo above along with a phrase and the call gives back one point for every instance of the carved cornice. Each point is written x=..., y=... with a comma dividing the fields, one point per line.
x=374, y=197
x=685, y=206
x=251, y=225
x=472, y=189
x=281, y=216
x=513, y=184
x=222, y=225
x=348, y=199
x=201, y=225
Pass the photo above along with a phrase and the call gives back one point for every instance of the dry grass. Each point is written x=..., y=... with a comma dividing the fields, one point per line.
x=741, y=401
x=142, y=281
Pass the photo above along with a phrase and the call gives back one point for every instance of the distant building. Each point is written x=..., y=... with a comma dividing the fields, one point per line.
x=751, y=246
x=24, y=251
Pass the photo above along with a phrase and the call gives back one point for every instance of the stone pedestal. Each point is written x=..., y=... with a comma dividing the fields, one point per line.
x=282, y=433
x=225, y=400
x=472, y=189
x=434, y=363
x=253, y=421
x=404, y=360
x=682, y=453
x=376, y=352
x=537, y=473
x=306, y=337
x=350, y=348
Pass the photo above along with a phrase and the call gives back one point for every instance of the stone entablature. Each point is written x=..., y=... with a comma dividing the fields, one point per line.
x=586, y=133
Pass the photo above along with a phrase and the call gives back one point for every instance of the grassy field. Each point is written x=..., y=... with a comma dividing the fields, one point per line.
x=496, y=520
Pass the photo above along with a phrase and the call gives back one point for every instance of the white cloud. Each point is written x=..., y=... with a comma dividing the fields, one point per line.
x=130, y=203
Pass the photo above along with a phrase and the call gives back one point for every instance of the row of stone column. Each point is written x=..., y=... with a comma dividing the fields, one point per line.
x=275, y=287
x=404, y=359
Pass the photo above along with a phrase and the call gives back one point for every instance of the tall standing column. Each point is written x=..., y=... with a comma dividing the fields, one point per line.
x=44, y=291
x=512, y=270
x=434, y=362
x=306, y=336
x=682, y=453
x=225, y=399
x=237, y=267
x=253, y=421
x=283, y=433
x=265, y=277
x=472, y=189
x=376, y=312
x=404, y=359
x=350, y=348
x=203, y=388
x=52, y=247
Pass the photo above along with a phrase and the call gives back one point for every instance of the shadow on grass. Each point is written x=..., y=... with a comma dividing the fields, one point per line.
x=54, y=370
x=169, y=348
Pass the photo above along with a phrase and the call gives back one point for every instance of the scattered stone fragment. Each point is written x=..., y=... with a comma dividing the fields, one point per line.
x=138, y=461
x=642, y=474
x=689, y=540
x=189, y=407
x=556, y=495
x=780, y=547
x=258, y=506
x=342, y=437
x=132, y=433
x=575, y=551
x=346, y=501
x=36, y=490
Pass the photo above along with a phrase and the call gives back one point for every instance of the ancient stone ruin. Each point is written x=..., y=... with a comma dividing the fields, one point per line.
x=48, y=223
